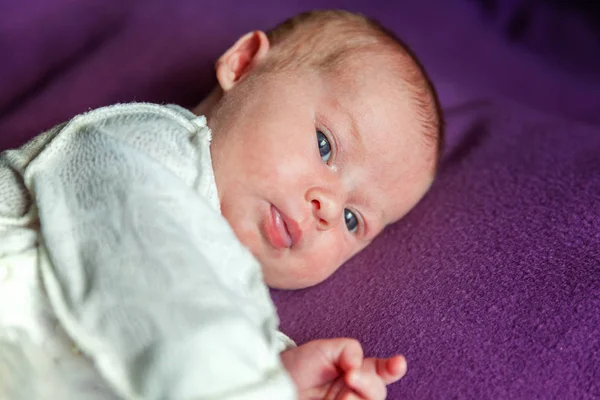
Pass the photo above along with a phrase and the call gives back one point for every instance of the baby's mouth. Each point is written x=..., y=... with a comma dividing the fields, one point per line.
x=276, y=229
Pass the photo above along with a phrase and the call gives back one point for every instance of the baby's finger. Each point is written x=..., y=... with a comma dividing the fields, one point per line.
x=368, y=385
x=349, y=395
x=337, y=390
x=390, y=369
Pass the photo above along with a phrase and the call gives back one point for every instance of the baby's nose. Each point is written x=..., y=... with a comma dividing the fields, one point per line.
x=326, y=208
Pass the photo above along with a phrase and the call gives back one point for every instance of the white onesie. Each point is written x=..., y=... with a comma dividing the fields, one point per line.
x=119, y=277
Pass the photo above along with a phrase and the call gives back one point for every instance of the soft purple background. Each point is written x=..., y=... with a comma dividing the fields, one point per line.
x=491, y=286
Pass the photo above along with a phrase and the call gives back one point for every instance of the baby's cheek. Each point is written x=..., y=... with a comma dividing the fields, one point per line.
x=323, y=265
x=295, y=273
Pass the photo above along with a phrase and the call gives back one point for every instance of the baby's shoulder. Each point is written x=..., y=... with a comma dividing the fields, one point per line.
x=138, y=136
x=137, y=117
x=170, y=135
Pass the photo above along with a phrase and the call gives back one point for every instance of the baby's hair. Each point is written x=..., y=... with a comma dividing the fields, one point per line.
x=326, y=39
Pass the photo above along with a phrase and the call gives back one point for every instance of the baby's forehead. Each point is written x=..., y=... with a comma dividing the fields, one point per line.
x=383, y=96
x=373, y=72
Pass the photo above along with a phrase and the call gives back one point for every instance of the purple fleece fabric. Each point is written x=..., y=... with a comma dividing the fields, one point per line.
x=491, y=285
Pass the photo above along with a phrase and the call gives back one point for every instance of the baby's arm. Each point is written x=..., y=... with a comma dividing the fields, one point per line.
x=336, y=369
x=147, y=279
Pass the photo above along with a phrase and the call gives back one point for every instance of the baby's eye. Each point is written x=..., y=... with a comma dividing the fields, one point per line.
x=324, y=146
x=351, y=220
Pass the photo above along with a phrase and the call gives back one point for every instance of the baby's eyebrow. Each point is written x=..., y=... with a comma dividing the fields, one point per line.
x=353, y=127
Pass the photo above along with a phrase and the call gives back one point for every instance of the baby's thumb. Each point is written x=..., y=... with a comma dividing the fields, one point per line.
x=349, y=353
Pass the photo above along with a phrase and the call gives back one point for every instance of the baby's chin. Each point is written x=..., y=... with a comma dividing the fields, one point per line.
x=286, y=277
x=277, y=279
x=286, y=284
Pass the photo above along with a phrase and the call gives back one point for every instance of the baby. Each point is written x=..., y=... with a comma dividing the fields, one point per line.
x=136, y=240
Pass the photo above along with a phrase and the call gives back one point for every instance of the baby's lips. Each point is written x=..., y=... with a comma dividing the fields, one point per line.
x=293, y=229
x=276, y=229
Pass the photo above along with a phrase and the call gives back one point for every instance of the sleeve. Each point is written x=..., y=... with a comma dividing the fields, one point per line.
x=284, y=342
x=145, y=276
x=17, y=227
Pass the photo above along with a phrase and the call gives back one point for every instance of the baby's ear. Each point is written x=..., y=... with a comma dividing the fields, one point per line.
x=241, y=58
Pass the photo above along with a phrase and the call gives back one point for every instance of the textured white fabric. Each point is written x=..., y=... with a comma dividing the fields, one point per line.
x=119, y=278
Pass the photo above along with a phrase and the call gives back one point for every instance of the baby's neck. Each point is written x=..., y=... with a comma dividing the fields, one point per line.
x=206, y=105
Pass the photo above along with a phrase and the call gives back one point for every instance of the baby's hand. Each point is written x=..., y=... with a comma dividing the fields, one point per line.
x=335, y=369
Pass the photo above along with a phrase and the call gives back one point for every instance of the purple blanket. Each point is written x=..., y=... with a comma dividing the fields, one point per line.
x=491, y=286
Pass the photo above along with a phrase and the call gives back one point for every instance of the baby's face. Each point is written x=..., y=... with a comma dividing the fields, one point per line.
x=310, y=167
